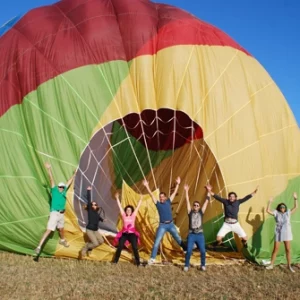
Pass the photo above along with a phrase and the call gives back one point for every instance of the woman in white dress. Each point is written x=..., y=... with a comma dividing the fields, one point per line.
x=283, y=230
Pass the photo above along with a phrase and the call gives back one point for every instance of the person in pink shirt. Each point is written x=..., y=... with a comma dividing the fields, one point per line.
x=128, y=234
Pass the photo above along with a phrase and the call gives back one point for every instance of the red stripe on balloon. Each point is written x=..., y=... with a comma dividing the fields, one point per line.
x=51, y=40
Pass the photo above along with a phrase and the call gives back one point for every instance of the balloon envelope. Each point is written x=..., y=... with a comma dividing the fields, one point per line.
x=127, y=90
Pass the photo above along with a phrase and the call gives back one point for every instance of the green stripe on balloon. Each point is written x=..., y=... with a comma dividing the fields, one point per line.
x=129, y=154
x=24, y=197
x=54, y=123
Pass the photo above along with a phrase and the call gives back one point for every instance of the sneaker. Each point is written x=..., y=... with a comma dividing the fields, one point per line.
x=291, y=269
x=203, y=268
x=37, y=250
x=266, y=262
x=151, y=261
x=64, y=243
x=270, y=267
x=185, y=269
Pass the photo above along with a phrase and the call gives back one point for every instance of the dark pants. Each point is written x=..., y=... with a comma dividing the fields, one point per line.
x=132, y=239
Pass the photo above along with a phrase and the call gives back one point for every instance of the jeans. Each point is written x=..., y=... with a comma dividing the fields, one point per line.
x=133, y=240
x=199, y=239
x=160, y=232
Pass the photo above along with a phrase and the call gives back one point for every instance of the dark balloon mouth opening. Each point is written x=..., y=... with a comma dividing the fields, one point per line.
x=156, y=145
x=164, y=129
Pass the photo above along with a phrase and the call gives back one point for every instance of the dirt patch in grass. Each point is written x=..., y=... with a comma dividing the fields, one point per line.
x=22, y=278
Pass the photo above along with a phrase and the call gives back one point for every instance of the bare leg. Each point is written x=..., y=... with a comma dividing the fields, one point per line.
x=61, y=233
x=62, y=237
x=219, y=240
x=46, y=234
x=287, y=245
x=275, y=251
x=244, y=241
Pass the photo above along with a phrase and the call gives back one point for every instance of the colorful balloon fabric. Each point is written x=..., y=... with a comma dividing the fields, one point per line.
x=123, y=90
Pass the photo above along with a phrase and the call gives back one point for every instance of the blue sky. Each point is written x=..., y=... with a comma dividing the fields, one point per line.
x=269, y=30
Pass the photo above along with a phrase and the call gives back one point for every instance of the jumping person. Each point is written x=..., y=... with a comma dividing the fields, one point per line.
x=57, y=210
x=95, y=237
x=195, y=229
x=283, y=230
x=231, y=210
x=165, y=219
x=128, y=234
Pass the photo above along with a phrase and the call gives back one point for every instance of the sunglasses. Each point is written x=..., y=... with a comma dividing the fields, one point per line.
x=282, y=206
x=94, y=204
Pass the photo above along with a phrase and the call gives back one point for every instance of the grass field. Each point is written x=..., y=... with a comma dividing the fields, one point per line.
x=23, y=278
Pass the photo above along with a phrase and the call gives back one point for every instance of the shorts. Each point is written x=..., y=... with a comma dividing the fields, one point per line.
x=236, y=228
x=56, y=220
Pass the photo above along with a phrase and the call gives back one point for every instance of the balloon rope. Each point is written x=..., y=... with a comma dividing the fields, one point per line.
x=173, y=149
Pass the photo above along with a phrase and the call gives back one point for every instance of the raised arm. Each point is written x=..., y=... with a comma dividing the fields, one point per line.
x=88, y=197
x=188, y=205
x=48, y=167
x=176, y=189
x=295, y=203
x=217, y=197
x=204, y=206
x=88, y=194
x=255, y=191
x=70, y=180
x=117, y=196
x=249, y=196
x=146, y=184
x=138, y=206
x=268, y=210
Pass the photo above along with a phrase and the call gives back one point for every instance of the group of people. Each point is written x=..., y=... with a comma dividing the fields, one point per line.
x=129, y=234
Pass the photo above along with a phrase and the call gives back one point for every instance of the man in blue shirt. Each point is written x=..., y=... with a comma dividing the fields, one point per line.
x=57, y=210
x=166, y=224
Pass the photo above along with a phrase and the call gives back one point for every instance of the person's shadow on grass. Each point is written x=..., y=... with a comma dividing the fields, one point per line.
x=257, y=225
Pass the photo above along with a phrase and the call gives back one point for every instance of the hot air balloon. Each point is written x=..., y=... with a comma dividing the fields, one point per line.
x=129, y=90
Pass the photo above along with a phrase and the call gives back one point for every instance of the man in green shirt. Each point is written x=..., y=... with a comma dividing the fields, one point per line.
x=57, y=210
